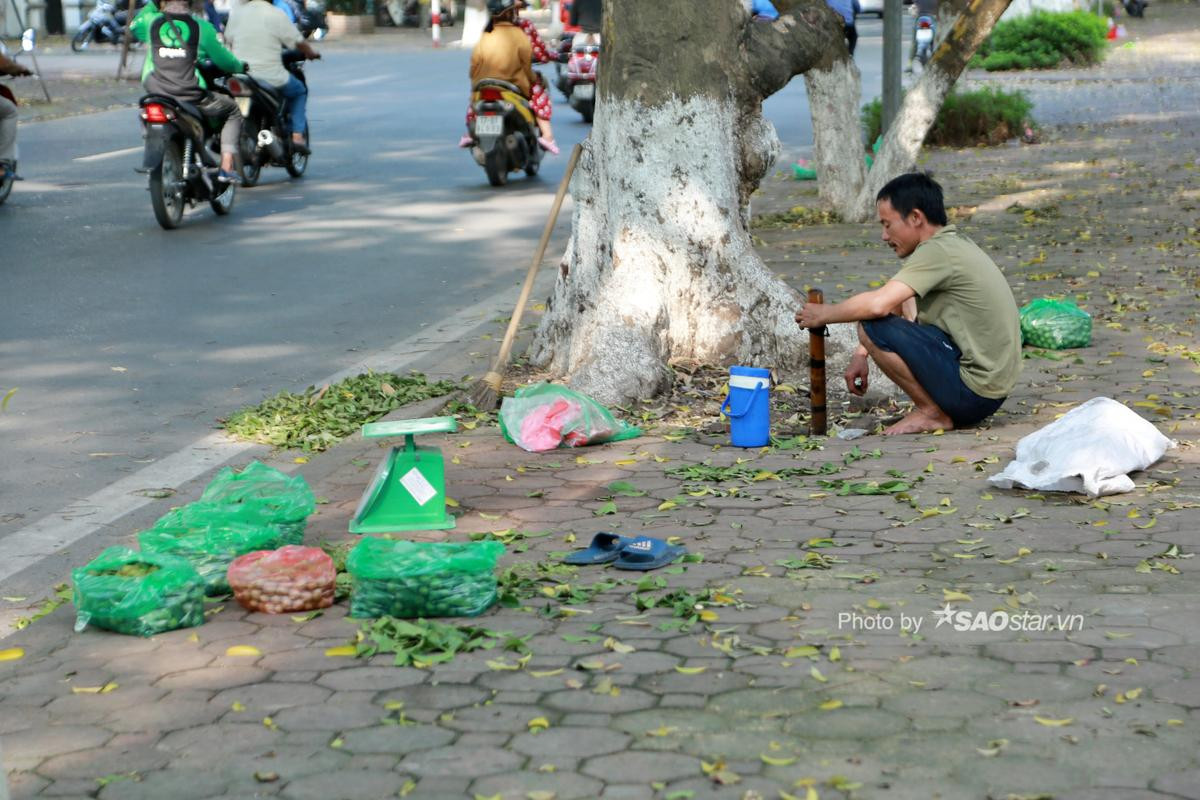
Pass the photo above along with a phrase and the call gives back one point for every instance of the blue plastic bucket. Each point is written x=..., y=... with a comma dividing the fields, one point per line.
x=748, y=406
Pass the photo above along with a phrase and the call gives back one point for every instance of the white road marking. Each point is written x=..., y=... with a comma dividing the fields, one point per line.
x=111, y=154
x=25, y=547
x=367, y=81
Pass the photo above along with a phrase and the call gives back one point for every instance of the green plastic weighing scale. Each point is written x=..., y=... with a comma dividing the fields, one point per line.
x=408, y=492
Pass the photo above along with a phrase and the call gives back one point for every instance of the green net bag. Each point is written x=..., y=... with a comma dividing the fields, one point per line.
x=545, y=416
x=263, y=494
x=1055, y=324
x=139, y=594
x=422, y=579
x=209, y=546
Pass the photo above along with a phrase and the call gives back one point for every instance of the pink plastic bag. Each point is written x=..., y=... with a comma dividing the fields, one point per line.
x=292, y=578
x=542, y=428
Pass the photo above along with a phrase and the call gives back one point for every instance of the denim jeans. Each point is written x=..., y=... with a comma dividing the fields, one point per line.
x=296, y=95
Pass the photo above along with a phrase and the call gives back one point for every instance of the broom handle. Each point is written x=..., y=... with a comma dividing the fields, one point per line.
x=527, y=289
x=816, y=366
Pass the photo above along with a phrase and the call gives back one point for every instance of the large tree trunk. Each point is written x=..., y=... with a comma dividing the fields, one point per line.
x=833, y=88
x=660, y=264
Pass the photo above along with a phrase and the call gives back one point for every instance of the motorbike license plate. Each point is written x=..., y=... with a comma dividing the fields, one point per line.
x=243, y=104
x=924, y=36
x=584, y=91
x=489, y=125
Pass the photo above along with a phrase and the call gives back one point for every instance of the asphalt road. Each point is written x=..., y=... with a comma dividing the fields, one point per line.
x=126, y=342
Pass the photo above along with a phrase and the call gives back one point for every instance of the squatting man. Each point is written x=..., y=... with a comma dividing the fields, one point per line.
x=945, y=329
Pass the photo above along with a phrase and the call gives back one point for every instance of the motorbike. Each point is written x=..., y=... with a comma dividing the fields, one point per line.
x=505, y=131
x=924, y=33
x=181, y=153
x=28, y=40
x=310, y=18
x=266, y=140
x=1135, y=8
x=580, y=74
x=105, y=25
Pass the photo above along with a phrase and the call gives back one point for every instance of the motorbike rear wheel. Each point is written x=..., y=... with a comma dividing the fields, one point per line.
x=249, y=168
x=495, y=164
x=82, y=38
x=166, y=189
x=299, y=162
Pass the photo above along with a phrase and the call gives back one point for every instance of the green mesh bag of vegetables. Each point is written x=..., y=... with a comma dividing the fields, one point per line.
x=1055, y=324
x=263, y=494
x=210, y=546
x=139, y=594
x=422, y=579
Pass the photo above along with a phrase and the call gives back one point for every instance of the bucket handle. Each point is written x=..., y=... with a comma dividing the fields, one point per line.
x=727, y=407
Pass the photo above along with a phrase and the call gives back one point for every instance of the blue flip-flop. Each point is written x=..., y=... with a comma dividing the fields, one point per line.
x=646, y=552
x=604, y=549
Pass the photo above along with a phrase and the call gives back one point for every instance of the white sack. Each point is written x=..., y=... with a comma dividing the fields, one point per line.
x=1090, y=449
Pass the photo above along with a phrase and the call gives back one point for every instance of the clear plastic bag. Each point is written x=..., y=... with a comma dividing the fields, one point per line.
x=545, y=416
x=139, y=594
x=209, y=546
x=1055, y=324
x=422, y=579
x=291, y=578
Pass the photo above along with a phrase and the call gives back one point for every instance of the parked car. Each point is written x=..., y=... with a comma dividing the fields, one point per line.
x=870, y=7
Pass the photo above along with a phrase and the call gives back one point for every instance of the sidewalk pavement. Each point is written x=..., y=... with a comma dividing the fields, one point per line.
x=804, y=674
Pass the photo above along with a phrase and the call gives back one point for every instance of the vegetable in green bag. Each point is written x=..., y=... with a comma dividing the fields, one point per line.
x=263, y=494
x=422, y=579
x=1055, y=324
x=210, y=547
x=139, y=594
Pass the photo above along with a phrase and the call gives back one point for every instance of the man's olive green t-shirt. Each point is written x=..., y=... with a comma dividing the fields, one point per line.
x=962, y=291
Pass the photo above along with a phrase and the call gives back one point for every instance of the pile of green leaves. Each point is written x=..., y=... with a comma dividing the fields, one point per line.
x=796, y=217
x=1042, y=40
x=986, y=116
x=319, y=418
x=706, y=473
x=62, y=595
x=423, y=643
x=342, y=582
x=524, y=581
x=844, y=488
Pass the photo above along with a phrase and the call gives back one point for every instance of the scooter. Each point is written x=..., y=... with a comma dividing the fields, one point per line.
x=28, y=41
x=926, y=27
x=181, y=153
x=266, y=140
x=105, y=25
x=505, y=131
x=581, y=75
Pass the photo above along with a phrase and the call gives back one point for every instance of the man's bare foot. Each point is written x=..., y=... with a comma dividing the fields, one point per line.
x=919, y=421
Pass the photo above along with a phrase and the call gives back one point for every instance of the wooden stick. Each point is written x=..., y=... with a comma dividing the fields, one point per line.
x=816, y=367
x=493, y=377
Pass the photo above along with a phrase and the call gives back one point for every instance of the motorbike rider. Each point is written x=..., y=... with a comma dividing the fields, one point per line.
x=178, y=41
x=589, y=16
x=258, y=32
x=504, y=53
x=8, y=118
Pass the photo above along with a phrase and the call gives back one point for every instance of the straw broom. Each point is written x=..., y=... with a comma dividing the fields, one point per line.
x=485, y=392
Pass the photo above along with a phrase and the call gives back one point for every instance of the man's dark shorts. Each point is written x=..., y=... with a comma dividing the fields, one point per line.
x=933, y=358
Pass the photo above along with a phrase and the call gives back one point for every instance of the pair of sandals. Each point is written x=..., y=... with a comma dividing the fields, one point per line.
x=626, y=552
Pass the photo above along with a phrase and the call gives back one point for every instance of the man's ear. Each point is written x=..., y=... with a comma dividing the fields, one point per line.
x=917, y=218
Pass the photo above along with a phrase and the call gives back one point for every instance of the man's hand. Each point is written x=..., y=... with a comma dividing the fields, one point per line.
x=856, y=374
x=812, y=315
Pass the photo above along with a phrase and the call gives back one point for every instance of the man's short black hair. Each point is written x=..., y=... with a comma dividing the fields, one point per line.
x=915, y=190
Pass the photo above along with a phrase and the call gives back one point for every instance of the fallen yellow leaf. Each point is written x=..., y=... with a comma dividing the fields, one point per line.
x=105, y=689
x=450, y=501
x=949, y=596
x=776, y=762
x=830, y=705
x=341, y=650
x=538, y=724
x=12, y=654
x=243, y=650
x=1054, y=723
x=689, y=670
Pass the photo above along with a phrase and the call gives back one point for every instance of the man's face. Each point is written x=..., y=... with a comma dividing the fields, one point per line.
x=902, y=234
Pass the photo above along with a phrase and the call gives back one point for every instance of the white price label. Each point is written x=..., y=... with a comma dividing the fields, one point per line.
x=421, y=489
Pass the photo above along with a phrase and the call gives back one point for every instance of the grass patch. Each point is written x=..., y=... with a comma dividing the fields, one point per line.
x=985, y=116
x=796, y=217
x=1043, y=40
x=319, y=418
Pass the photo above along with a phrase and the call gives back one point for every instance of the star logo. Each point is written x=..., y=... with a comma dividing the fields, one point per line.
x=943, y=615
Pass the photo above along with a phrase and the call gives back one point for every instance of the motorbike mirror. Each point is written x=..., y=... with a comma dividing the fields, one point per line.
x=28, y=39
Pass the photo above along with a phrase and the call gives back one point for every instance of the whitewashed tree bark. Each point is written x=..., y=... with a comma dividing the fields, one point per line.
x=835, y=88
x=660, y=265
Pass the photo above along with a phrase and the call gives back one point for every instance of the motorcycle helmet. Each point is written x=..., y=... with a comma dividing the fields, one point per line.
x=497, y=7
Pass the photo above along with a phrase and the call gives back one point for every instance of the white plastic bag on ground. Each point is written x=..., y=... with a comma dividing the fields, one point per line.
x=1091, y=449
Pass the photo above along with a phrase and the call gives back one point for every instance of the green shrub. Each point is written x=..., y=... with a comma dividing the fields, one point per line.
x=1042, y=40
x=984, y=116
